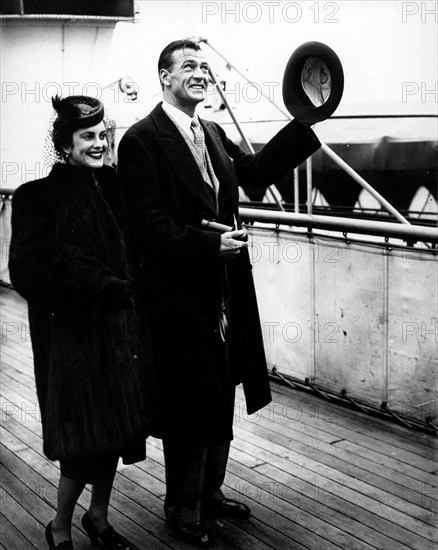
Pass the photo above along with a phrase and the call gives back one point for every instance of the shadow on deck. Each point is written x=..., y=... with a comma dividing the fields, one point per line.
x=316, y=476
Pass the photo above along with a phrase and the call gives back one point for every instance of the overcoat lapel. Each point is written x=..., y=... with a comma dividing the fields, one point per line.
x=224, y=169
x=179, y=156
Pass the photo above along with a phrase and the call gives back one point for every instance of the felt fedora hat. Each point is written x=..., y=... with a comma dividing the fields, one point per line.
x=313, y=83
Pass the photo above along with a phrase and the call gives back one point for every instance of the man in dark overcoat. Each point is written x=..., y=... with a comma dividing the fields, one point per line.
x=195, y=283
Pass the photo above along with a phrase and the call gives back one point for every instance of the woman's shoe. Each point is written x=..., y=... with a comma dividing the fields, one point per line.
x=108, y=538
x=65, y=545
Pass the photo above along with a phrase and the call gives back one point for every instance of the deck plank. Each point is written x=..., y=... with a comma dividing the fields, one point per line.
x=11, y=537
x=317, y=476
x=361, y=421
x=355, y=466
x=334, y=482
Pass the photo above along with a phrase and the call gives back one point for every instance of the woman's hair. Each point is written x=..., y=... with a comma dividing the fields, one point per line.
x=73, y=112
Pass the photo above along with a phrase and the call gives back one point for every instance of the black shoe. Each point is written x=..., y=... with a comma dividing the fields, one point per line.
x=65, y=545
x=108, y=538
x=194, y=533
x=230, y=508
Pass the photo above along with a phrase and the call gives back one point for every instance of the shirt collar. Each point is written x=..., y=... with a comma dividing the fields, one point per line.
x=178, y=116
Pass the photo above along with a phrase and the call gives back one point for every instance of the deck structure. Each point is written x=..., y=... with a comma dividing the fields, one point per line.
x=317, y=476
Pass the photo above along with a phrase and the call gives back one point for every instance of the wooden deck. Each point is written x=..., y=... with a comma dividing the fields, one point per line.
x=317, y=476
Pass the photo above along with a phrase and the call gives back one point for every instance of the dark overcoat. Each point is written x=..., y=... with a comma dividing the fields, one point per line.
x=67, y=252
x=181, y=277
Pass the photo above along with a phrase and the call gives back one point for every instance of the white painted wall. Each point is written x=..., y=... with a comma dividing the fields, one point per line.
x=349, y=315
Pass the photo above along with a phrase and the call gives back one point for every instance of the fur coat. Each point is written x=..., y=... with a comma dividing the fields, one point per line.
x=68, y=260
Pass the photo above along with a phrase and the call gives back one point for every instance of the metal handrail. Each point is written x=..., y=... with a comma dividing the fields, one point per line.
x=409, y=232
x=331, y=223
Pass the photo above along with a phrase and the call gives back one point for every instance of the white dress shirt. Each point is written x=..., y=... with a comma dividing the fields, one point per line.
x=180, y=118
x=183, y=123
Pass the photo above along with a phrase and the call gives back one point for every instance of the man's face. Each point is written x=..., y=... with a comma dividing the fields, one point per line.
x=186, y=81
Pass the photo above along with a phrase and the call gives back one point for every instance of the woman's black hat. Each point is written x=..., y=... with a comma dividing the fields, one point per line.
x=79, y=111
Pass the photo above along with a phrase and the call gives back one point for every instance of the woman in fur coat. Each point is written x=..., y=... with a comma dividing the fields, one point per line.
x=68, y=260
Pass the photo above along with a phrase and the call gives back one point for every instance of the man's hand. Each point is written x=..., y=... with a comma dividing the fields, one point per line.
x=232, y=243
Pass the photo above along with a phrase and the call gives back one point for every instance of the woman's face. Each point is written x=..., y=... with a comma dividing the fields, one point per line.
x=88, y=147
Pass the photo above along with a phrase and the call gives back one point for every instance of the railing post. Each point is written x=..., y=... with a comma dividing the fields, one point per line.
x=296, y=191
x=309, y=186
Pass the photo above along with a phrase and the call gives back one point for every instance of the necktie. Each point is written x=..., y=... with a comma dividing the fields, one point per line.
x=202, y=154
x=198, y=133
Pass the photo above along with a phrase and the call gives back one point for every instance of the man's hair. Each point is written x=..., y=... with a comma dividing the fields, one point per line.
x=165, y=59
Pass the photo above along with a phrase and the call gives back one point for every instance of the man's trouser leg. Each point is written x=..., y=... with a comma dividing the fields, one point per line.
x=192, y=473
x=215, y=469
